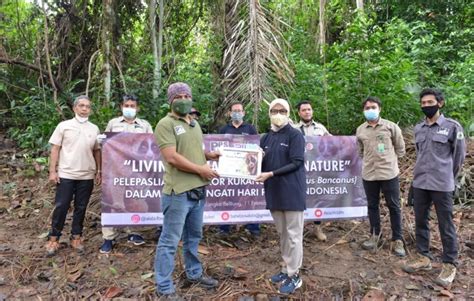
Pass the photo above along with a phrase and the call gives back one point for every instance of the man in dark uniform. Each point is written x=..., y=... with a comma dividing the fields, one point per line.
x=440, y=153
x=237, y=126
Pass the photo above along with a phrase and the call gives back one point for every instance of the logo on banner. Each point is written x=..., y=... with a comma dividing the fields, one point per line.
x=135, y=218
x=309, y=146
x=318, y=213
x=225, y=216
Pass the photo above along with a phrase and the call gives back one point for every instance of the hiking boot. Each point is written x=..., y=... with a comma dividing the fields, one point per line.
x=205, y=282
x=446, y=277
x=107, y=246
x=318, y=232
x=277, y=278
x=371, y=243
x=421, y=263
x=398, y=248
x=76, y=243
x=52, y=246
x=136, y=239
x=290, y=284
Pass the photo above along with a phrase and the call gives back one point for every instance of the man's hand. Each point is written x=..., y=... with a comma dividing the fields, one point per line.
x=53, y=177
x=214, y=155
x=264, y=176
x=206, y=172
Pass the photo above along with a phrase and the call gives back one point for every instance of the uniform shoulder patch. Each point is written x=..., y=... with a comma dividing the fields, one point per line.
x=460, y=136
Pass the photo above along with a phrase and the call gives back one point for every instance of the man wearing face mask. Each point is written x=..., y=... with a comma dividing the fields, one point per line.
x=187, y=173
x=130, y=123
x=440, y=153
x=74, y=163
x=237, y=126
x=309, y=127
x=284, y=180
x=380, y=144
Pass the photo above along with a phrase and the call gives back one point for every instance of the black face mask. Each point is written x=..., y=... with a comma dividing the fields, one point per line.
x=430, y=111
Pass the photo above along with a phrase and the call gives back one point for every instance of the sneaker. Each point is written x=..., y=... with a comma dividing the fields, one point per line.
x=170, y=297
x=76, y=243
x=204, y=281
x=318, y=231
x=52, y=246
x=290, y=284
x=422, y=263
x=398, y=248
x=446, y=277
x=277, y=278
x=371, y=243
x=107, y=246
x=136, y=239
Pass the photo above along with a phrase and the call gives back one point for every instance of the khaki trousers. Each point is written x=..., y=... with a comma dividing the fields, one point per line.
x=111, y=233
x=289, y=225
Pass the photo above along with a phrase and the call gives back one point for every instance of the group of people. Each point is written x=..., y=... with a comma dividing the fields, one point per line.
x=440, y=147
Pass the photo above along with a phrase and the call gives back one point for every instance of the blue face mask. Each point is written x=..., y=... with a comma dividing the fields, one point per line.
x=237, y=116
x=129, y=113
x=371, y=115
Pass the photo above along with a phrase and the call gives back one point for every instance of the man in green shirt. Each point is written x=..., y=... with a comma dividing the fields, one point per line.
x=179, y=137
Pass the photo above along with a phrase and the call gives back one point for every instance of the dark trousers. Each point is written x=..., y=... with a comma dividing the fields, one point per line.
x=443, y=203
x=391, y=191
x=66, y=190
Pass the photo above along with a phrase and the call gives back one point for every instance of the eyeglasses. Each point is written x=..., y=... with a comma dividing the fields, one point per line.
x=281, y=111
x=237, y=111
x=84, y=106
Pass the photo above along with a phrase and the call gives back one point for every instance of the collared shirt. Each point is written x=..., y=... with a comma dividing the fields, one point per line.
x=440, y=153
x=243, y=129
x=188, y=140
x=312, y=129
x=76, y=156
x=119, y=124
x=380, y=148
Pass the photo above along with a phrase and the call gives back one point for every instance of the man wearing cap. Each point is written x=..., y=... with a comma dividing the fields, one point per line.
x=183, y=197
x=440, y=153
x=130, y=123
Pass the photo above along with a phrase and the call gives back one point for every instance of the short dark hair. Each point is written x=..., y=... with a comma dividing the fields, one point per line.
x=304, y=102
x=372, y=99
x=128, y=97
x=431, y=91
x=235, y=103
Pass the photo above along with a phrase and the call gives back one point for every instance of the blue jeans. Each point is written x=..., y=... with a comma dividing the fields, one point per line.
x=183, y=218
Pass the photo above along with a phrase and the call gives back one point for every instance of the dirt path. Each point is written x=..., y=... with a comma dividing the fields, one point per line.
x=337, y=269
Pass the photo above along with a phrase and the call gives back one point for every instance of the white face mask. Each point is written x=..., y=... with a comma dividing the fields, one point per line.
x=81, y=119
x=129, y=113
x=279, y=119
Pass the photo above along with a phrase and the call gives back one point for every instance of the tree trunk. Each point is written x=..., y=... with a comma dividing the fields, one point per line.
x=107, y=46
x=256, y=94
x=322, y=28
x=157, y=46
x=360, y=5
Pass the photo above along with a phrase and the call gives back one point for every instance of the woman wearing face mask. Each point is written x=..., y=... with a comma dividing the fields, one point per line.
x=284, y=180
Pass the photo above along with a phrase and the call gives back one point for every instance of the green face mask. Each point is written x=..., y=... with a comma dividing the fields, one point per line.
x=182, y=106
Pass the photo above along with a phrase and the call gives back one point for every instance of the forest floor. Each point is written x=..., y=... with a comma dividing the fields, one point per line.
x=337, y=269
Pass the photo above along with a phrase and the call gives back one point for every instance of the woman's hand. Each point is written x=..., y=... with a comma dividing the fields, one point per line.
x=264, y=176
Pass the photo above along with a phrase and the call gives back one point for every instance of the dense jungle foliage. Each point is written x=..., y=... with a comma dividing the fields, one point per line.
x=332, y=52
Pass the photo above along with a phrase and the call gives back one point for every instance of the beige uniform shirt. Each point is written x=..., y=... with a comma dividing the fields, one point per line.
x=119, y=124
x=380, y=148
x=312, y=129
x=77, y=141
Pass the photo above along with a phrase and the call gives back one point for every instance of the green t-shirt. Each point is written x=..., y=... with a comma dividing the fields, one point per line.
x=171, y=131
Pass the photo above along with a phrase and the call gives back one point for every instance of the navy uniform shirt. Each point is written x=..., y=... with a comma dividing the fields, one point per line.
x=243, y=129
x=440, y=153
x=286, y=191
